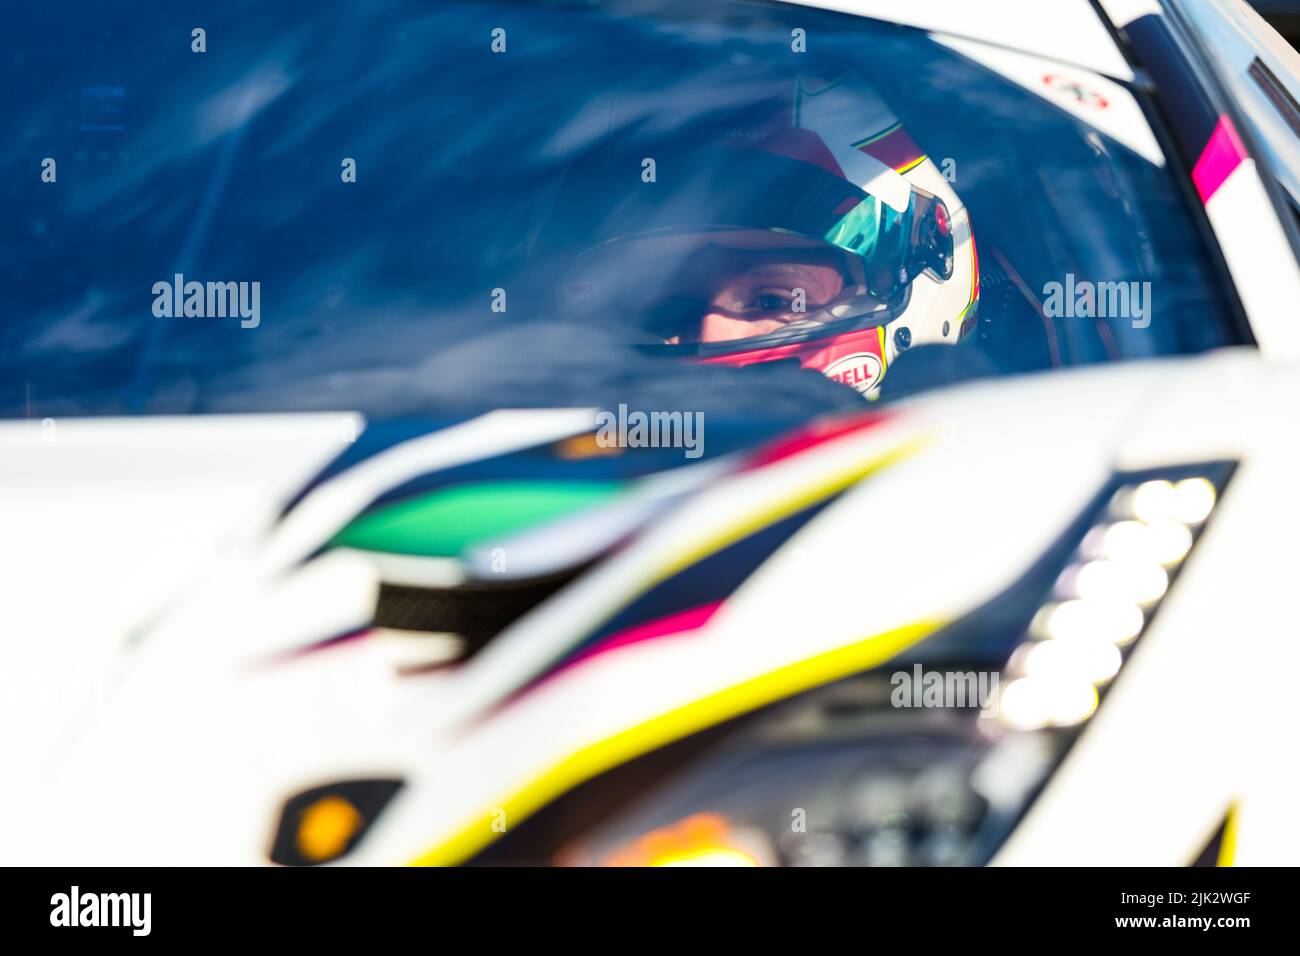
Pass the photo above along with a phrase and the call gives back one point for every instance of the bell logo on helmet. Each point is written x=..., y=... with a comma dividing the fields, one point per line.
x=862, y=371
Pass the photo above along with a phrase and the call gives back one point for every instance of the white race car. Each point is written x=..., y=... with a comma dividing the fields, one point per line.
x=837, y=433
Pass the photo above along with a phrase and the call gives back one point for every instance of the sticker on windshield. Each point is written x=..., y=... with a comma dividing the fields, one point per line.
x=1078, y=92
x=1103, y=104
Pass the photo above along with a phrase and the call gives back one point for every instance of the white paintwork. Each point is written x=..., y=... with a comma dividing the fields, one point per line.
x=527, y=647
x=1124, y=12
x=1065, y=30
x=1178, y=737
x=962, y=521
x=107, y=524
x=1259, y=257
x=572, y=540
x=413, y=570
x=1234, y=35
x=1199, y=718
x=180, y=746
x=330, y=505
x=1121, y=118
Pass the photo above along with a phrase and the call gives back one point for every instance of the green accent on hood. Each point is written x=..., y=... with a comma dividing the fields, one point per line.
x=444, y=523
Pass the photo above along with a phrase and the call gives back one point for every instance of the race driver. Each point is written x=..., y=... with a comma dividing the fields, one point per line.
x=825, y=236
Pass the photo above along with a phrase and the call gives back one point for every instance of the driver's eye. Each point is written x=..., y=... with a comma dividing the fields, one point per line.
x=770, y=302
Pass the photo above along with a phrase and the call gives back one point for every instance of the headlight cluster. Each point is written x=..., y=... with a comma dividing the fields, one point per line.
x=1102, y=601
x=840, y=777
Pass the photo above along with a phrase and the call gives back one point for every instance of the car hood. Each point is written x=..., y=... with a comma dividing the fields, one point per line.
x=193, y=635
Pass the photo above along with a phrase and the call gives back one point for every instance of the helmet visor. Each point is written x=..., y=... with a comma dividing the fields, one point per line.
x=732, y=249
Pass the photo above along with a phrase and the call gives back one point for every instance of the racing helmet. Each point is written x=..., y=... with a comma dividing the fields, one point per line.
x=824, y=237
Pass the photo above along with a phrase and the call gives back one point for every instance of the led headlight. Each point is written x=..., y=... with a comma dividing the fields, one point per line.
x=1104, y=597
x=844, y=775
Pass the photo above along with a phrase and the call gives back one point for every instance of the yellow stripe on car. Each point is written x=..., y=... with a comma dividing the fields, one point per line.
x=773, y=512
x=1228, y=846
x=730, y=702
x=613, y=751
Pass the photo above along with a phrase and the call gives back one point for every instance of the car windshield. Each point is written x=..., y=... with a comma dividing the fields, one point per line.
x=410, y=208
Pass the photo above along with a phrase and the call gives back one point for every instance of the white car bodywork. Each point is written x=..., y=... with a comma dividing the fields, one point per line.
x=148, y=560
x=195, y=732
